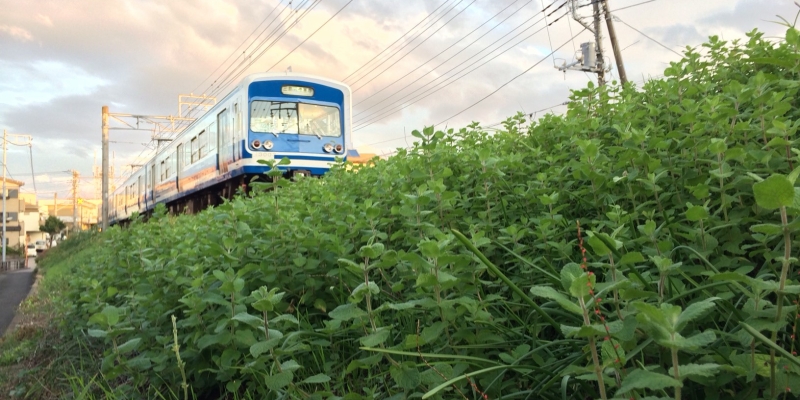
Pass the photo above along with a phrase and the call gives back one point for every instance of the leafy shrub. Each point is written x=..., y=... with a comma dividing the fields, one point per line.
x=639, y=245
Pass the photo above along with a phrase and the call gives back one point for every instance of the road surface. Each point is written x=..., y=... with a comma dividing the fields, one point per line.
x=14, y=287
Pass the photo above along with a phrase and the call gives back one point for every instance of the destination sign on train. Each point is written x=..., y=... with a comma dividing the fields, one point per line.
x=297, y=90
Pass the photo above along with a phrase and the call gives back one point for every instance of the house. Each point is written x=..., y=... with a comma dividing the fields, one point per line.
x=14, y=208
x=32, y=218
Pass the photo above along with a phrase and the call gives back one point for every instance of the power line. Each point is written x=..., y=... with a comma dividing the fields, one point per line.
x=464, y=62
x=240, y=45
x=512, y=79
x=417, y=36
x=449, y=47
x=393, y=43
x=312, y=34
x=616, y=18
x=380, y=114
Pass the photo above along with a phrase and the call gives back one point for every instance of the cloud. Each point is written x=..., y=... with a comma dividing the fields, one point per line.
x=16, y=33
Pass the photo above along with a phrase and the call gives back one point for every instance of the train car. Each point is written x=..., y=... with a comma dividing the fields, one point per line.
x=267, y=116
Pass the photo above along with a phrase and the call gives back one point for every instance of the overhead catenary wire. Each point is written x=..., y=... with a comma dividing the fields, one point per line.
x=411, y=41
x=393, y=43
x=445, y=74
x=449, y=47
x=309, y=36
x=240, y=45
x=380, y=114
x=511, y=80
x=225, y=81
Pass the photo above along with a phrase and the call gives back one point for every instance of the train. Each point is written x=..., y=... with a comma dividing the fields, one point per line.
x=266, y=116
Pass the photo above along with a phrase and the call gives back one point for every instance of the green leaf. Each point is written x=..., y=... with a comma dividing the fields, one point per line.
x=774, y=192
x=279, y=380
x=643, y=379
x=431, y=332
x=112, y=315
x=248, y=319
x=631, y=258
x=347, y=312
x=260, y=348
x=318, y=378
x=581, y=285
x=694, y=311
x=129, y=345
x=405, y=375
x=97, y=333
x=767, y=229
x=598, y=246
x=704, y=370
x=562, y=300
x=696, y=213
x=693, y=342
x=376, y=338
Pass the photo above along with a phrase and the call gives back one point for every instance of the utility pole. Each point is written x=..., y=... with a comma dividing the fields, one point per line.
x=623, y=77
x=28, y=142
x=75, y=200
x=598, y=38
x=591, y=59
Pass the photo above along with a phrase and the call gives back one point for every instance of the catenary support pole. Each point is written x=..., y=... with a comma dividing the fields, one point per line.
x=105, y=169
x=612, y=34
x=74, y=201
x=5, y=136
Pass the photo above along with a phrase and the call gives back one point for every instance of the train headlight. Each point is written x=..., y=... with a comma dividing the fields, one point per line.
x=268, y=145
x=339, y=148
x=256, y=144
x=327, y=147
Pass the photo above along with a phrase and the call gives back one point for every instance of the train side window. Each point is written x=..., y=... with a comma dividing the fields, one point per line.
x=211, y=131
x=201, y=151
x=161, y=172
x=237, y=120
x=194, y=149
x=187, y=154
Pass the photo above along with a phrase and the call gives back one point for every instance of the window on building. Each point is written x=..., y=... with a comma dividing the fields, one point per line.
x=12, y=216
x=12, y=193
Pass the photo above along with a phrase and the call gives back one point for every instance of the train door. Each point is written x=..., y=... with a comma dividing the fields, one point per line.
x=139, y=194
x=224, y=142
x=180, y=167
x=236, y=132
x=152, y=182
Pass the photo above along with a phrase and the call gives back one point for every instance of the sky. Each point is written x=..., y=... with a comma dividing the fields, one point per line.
x=410, y=64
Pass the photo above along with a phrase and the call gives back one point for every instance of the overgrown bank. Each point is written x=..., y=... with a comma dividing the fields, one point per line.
x=359, y=286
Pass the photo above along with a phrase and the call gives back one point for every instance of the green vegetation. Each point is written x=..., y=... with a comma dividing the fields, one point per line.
x=639, y=246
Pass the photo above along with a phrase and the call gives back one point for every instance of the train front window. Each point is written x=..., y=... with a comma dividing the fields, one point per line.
x=274, y=117
x=319, y=120
x=278, y=117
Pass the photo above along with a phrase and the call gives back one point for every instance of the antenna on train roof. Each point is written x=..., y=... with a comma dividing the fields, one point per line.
x=288, y=70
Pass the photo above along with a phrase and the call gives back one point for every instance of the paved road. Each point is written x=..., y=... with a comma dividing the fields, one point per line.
x=14, y=286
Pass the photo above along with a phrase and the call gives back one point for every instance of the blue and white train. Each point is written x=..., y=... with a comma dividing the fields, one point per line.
x=267, y=116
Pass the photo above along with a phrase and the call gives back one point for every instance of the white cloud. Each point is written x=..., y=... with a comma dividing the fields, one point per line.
x=16, y=32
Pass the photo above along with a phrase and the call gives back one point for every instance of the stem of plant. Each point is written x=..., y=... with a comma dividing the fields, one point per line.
x=676, y=371
x=593, y=347
x=784, y=272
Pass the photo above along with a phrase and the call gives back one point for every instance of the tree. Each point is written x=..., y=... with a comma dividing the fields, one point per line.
x=52, y=225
